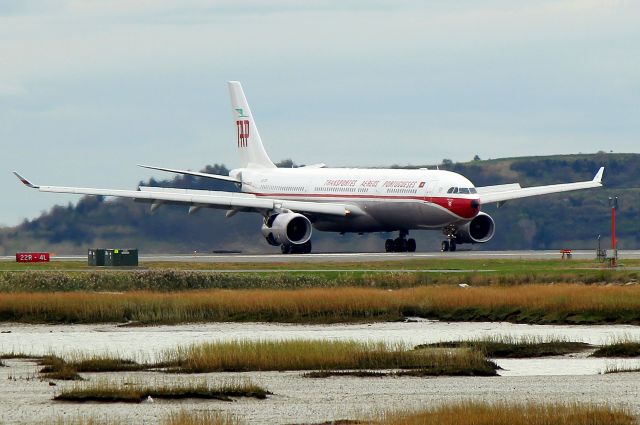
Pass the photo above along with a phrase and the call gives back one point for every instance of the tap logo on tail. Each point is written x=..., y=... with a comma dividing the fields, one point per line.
x=243, y=133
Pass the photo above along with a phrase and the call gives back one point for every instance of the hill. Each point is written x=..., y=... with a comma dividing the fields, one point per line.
x=571, y=220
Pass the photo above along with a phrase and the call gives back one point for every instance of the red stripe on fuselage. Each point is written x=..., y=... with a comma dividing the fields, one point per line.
x=462, y=207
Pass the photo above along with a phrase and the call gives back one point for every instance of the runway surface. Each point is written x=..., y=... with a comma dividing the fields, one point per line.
x=354, y=257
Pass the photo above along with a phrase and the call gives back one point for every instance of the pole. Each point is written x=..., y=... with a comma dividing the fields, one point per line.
x=614, y=204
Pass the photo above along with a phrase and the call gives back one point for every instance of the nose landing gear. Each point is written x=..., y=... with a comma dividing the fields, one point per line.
x=450, y=243
x=401, y=243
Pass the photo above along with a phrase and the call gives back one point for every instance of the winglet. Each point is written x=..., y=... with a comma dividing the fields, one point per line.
x=598, y=176
x=25, y=181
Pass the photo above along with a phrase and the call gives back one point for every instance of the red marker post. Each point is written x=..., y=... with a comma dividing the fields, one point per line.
x=32, y=257
x=613, y=203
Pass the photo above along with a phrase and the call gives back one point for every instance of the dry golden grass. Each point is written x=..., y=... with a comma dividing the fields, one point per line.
x=464, y=413
x=109, y=391
x=322, y=355
x=561, y=303
x=184, y=417
x=478, y=413
x=502, y=346
x=181, y=417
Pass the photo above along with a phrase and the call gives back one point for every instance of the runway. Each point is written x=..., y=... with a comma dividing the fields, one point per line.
x=354, y=257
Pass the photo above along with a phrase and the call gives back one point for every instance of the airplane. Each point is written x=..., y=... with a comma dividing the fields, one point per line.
x=294, y=201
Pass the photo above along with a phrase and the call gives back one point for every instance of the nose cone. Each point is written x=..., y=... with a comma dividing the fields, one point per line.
x=471, y=208
x=465, y=208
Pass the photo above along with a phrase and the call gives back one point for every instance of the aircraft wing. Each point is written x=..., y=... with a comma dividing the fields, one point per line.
x=195, y=199
x=503, y=193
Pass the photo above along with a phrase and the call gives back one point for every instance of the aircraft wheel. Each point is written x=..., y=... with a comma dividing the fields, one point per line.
x=285, y=249
x=400, y=245
x=388, y=245
x=445, y=246
x=411, y=245
x=306, y=247
x=452, y=246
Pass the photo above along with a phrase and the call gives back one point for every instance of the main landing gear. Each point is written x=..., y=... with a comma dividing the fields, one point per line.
x=400, y=244
x=304, y=248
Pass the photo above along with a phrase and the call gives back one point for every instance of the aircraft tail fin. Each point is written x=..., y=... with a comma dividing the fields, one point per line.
x=252, y=153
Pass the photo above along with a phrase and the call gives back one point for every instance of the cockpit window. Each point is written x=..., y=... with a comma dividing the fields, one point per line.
x=464, y=190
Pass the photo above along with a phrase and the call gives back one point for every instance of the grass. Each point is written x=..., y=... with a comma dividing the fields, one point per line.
x=614, y=368
x=433, y=263
x=541, y=304
x=105, y=391
x=459, y=413
x=482, y=413
x=184, y=417
x=181, y=417
x=416, y=373
x=624, y=348
x=511, y=347
x=161, y=276
x=300, y=354
x=322, y=355
x=55, y=367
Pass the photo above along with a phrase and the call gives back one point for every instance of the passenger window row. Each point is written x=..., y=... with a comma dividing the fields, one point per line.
x=282, y=188
x=402, y=191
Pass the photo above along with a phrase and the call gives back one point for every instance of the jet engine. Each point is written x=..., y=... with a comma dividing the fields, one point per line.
x=479, y=230
x=287, y=229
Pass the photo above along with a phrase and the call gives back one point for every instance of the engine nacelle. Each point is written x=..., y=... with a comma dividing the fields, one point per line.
x=479, y=230
x=287, y=229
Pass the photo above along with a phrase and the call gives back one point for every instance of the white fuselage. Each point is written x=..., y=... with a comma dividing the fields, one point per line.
x=392, y=199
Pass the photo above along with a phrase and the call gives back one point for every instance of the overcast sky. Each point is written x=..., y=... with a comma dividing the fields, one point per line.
x=89, y=89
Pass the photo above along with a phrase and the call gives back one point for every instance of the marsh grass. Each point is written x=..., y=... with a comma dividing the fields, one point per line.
x=107, y=391
x=515, y=347
x=184, y=417
x=181, y=417
x=56, y=368
x=615, y=368
x=244, y=355
x=19, y=355
x=622, y=348
x=416, y=373
x=68, y=368
x=503, y=413
x=81, y=420
x=393, y=275
x=541, y=304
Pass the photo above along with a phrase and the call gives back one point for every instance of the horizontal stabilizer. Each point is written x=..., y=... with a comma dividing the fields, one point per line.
x=320, y=165
x=193, y=173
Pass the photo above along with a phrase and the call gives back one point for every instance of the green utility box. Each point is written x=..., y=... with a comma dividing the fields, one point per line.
x=121, y=257
x=95, y=257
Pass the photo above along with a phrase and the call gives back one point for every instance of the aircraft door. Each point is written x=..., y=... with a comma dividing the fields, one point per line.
x=430, y=187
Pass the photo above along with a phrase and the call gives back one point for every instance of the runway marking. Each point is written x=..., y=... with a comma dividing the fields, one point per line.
x=354, y=257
